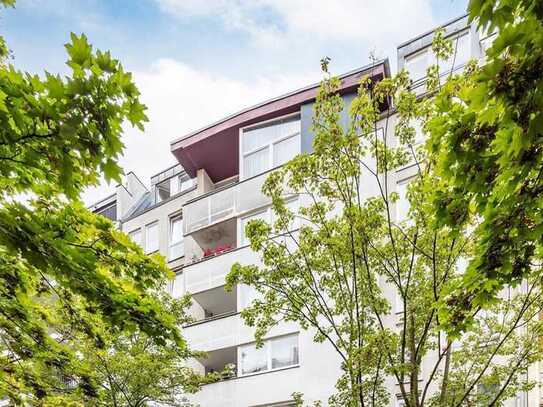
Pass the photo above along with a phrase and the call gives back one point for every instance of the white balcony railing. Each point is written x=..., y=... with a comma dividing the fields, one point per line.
x=214, y=334
x=261, y=389
x=211, y=272
x=226, y=203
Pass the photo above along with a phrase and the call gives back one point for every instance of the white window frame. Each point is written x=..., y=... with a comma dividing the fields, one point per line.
x=147, y=227
x=430, y=56
x=269, y=218
x=269, y=146
x=171, y=220
x=268, y=346
x=132, y=232
x=426, y=51
x=403, y=183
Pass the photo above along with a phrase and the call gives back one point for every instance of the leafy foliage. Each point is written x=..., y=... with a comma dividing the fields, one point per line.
x=486, y=142
x=65, y=272
x=352, y=258
x=133, y=371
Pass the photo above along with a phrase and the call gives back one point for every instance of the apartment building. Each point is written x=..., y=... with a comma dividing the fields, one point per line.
x=195, y=212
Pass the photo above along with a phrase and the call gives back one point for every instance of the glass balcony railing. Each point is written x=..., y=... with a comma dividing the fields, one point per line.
x=225, y=203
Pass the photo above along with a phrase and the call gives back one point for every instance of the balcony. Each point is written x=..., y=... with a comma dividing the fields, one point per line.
x=210, y=221
x=214, y=333
x=270, y=388
x=205, y=275
x=223, y=204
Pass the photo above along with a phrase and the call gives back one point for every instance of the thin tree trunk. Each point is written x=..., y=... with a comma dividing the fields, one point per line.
x=445, y=381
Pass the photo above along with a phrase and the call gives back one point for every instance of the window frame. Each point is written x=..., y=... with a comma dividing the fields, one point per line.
x=431, y=59
x=137, y=230
x=270, y=218
x=147, y=227
x=175, y=180
x=269, y=145
x=268, y=346
x=171, y=219
x=426, y=51
x=400, y=185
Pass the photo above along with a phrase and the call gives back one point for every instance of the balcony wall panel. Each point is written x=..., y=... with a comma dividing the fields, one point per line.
x=227, y=331
x=226, y=203
x=211, y=272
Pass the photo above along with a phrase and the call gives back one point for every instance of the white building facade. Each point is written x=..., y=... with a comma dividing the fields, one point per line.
x=195, y=212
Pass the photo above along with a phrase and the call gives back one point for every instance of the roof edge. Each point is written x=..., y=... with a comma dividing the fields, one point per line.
x=384, y=62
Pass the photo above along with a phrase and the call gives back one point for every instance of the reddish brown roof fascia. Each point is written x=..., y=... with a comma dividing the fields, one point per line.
x=263, y=111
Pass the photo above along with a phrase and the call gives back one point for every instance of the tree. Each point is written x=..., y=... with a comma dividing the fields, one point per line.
x=351, y=255
x=61, y=265
x=133, y=371
x=486, y=142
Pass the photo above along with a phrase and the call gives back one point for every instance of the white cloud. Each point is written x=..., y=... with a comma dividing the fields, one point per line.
x=182, y=99
x=374, y=22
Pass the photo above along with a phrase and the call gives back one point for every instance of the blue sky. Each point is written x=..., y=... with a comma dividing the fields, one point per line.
x=196, y=61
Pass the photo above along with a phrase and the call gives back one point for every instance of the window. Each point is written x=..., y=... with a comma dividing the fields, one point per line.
x=486, y=43
x=163, y=190
x=256, y=162
x=253, y=359
x=176, y=238
x=171, y=186
x=186, y=183
x=264, y=215
x=402, y=204
x=284, y=352
x=461, y=52
x=247, y=295
x=419, y=132
x=135, y=235
x=270, y=145
x=416, y=64
x=275, y=353
x=109, y=211
x=269, y=216
x=151, y=238
x=486, y=393
x=285, y=149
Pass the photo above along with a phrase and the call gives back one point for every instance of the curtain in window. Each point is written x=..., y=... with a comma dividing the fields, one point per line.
x=252, y=139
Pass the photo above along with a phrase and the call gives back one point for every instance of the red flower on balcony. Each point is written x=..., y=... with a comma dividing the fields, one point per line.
x=217, y=250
